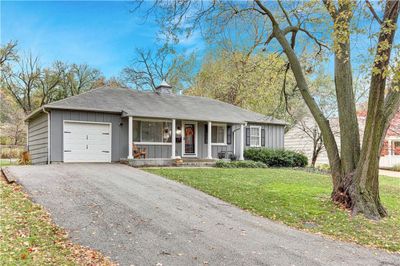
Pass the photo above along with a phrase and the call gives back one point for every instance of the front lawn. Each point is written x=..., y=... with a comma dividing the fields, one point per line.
x=297, y=198
x=28, y=237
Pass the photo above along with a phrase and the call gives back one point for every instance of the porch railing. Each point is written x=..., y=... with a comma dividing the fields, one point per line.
x=389, y=160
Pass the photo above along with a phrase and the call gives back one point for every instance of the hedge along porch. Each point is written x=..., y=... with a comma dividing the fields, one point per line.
x=102, y=125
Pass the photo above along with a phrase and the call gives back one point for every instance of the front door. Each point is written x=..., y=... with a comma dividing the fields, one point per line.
x=190, y=139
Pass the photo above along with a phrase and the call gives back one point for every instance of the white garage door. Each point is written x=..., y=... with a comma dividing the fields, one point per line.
x=87, y=142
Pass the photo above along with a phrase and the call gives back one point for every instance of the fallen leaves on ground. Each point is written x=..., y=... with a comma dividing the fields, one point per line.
x=29, y=237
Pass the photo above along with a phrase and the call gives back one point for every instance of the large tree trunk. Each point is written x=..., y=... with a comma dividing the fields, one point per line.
x=364, y=190
x=355, y=173
x=349, y=132
x=360, y=191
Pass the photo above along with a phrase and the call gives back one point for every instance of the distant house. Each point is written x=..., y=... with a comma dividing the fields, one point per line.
x=390, y=153
x=298, y=139
x=113, y=124
x=302, y=137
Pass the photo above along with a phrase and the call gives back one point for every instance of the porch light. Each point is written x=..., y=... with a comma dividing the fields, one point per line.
x=178, y=131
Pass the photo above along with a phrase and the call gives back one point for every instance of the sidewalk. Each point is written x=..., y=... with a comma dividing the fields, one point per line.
x=389, y=173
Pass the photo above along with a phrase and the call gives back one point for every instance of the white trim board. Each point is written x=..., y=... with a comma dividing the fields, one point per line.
x=196, y=133
x=225, y=126
x=259, y=136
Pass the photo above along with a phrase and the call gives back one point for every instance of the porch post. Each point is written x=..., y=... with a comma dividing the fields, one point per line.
x=209, y=151
x=130, y=137
x=173, y=139
x=390, y=147
x=390, y=151
x=242, y=140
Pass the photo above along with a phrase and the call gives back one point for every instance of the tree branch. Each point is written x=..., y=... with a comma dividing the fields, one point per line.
x=285, y=13
x=267, y=12
x=330, y=6
x=371, y=8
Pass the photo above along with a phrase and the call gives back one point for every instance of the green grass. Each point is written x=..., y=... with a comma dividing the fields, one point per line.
x=297, y=198
x=8, y=162
x=28, y=237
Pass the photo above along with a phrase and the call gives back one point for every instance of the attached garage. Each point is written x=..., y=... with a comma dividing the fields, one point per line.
x=87, y=141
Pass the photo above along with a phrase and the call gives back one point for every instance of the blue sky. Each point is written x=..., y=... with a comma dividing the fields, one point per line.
x=102, y=34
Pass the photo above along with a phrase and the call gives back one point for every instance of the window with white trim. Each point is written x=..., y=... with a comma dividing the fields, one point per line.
x=152, y=131
x=218, y=134
x=255, y=136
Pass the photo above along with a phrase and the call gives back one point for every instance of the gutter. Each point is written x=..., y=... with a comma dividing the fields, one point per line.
x=48, y=134
x=34, y=113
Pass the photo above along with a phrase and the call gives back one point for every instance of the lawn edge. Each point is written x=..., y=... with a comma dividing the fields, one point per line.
x=326, y=236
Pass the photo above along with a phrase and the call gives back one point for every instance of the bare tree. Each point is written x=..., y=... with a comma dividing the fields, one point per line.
x=77, y=79
x=8, y=52
x=312, y=131
x=32, y=86
x=149, y=68
x=22, y=83
x=355, y=168
x=112, y=82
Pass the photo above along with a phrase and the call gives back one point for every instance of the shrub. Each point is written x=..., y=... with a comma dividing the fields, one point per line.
x=7, y=153
x=276, y=158
x=396, y=167
x=240, y=164
x=25, y=158
x=5, y=140
x=324, y=167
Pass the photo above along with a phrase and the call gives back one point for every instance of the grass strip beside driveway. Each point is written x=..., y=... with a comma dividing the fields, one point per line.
x=297, y=198
x=28, y=236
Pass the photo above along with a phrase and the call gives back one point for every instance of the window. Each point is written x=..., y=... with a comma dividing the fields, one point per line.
x=255, y=136
x=152, y=131
x=218, y=133
x=136, y=131
x=396, y=148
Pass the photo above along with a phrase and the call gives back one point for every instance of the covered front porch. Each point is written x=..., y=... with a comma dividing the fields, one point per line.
x=164, y=141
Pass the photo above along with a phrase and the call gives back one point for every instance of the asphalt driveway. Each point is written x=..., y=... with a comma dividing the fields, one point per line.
x=138, y=218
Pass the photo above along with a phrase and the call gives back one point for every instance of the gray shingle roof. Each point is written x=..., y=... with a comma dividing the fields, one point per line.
x=129, y=102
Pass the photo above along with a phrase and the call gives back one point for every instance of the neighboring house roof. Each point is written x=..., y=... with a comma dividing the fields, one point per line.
x=129, y=102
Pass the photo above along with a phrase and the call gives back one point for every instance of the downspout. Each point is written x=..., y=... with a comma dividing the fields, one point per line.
x=27, y=136
x=48, y=135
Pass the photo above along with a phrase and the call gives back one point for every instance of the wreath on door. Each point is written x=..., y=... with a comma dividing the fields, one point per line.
x=188, y=131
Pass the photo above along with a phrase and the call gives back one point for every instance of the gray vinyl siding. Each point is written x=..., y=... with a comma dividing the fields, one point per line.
x=38, y=139
x=274, y=135
x=119, y=133
x=215, y=149
x=157, y=151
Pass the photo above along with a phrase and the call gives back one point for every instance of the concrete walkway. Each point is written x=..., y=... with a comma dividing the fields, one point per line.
x=143, y=219
x=389, y=173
